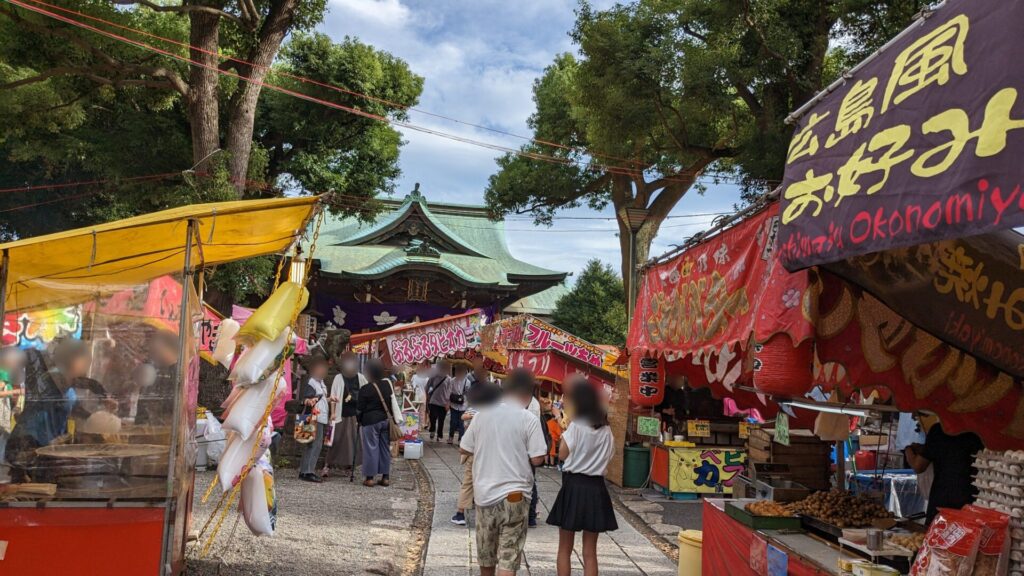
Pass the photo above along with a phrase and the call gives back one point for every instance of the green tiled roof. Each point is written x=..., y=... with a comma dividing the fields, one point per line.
x=464, y=243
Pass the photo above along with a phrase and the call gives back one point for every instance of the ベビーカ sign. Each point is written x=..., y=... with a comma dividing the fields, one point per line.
x=922, y=143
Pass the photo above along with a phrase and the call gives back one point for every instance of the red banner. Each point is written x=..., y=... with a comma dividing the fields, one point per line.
x=880, y=349
x=434, y=339
x=554, y=367
x=720, y=293
x=922, y=143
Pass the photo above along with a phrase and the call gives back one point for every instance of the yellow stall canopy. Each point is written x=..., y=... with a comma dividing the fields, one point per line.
x=77, y=265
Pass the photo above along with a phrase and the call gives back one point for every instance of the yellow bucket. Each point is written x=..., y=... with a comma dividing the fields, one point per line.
x=690, y=544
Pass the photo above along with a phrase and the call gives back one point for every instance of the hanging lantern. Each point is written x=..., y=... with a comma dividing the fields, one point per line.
x=783, y=369
x=646, y=380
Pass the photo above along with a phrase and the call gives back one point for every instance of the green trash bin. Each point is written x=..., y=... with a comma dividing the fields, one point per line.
x=636, y=465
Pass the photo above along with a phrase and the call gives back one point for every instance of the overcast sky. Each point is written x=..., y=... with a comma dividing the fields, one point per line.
x=479, y=59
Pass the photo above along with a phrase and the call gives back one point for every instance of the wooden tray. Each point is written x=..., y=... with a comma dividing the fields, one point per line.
x=736, y=511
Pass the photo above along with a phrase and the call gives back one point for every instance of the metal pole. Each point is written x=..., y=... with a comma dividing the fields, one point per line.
x=631, y=299
x=170, y=502
x=3, y=282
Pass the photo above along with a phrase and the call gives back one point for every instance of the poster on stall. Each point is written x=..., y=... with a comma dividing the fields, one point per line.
x=922, y=143
x=39, y=328
x=778, y=562
x=705, y=470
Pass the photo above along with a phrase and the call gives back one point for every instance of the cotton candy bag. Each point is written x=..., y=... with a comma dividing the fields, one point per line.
x=257, y=359
x=237, y=454
x=258, y=504
x=994, y=552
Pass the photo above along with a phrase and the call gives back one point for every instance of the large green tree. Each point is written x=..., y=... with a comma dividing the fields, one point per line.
x=665, y=91
x=595, y=309
x=75, y=106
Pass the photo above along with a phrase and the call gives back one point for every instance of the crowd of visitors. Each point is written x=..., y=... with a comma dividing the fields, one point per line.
x=503, y=432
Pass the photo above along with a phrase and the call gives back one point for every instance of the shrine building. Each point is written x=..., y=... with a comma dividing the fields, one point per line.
x=421, y=260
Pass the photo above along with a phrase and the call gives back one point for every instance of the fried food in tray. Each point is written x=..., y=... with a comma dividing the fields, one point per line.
x=768, y=508
x=840, y=509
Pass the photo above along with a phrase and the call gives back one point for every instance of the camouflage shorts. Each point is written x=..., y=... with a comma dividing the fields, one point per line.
x=501, y=533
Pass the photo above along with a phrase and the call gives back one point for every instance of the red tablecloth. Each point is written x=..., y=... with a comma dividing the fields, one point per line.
x=726, y=548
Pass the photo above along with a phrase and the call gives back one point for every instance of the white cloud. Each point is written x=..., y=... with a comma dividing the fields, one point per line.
x=384, y=13
x=479, y=59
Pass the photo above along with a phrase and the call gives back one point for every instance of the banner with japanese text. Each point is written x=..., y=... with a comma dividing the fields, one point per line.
x=551, y=366
x=434, y=340
x=530, y=333
x=922, y=143
x=714, y=297
x=38, y=328
x=879, y=349
x=968, y=292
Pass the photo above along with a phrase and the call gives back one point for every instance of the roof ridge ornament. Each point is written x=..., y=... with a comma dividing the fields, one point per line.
x=416, y=195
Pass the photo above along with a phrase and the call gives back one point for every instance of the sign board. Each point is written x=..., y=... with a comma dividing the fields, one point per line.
x=782, y=428
x=744, y=431
x=922, y=143
x=527, y=332
x=698, y=428
x=705, y=470
x=434, y=340
x=647, y=426
x=38, y=328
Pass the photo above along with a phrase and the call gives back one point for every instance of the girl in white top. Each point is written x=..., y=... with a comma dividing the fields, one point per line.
x=583, y=503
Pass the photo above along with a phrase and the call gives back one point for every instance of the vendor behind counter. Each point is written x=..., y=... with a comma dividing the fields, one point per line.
x=683, y=402
x=952, y=461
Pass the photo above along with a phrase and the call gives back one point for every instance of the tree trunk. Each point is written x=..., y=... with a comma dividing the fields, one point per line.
x=203, y=108
x=242, y=114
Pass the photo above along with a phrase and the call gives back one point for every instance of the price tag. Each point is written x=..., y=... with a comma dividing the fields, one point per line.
x=745, y=429
x=647, y=426
x=782, y=429
x=778, y=561
x=698, y=428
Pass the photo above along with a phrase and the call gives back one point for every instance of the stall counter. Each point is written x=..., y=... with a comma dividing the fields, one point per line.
x=731, y=548
x=682, y=471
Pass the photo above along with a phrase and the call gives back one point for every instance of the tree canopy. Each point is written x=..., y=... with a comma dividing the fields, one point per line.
x=663, y=92
x=595, y=309
x=76, y=106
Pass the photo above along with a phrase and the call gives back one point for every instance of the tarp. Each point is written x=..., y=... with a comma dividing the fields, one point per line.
x=921, y=143
x=415, y=343
x=527, y=332
x=968, y=292
x=719, y=294
x=70, y=267
x=878, y=348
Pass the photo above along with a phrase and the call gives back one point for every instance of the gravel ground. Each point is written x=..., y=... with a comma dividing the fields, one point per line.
x=333, y=528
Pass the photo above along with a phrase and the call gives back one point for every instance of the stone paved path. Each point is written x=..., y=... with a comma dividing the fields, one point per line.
x=451, y=550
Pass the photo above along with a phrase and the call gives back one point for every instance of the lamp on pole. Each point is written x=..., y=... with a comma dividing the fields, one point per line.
x=635, y=218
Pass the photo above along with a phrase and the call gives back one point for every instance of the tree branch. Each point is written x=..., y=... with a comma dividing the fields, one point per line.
x=185, y=8
x=44, y=76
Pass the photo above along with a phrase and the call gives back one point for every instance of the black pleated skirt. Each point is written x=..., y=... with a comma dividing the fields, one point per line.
x=583, y=503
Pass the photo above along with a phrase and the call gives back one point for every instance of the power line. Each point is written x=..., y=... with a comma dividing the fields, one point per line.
x=687, y=176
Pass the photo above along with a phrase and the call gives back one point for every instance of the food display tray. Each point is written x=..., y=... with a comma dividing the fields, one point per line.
x=818, y=526
x=737, y=511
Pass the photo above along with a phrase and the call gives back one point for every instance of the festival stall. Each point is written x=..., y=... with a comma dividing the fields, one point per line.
x=900, y=189
x=725, y=316
x=102, y=455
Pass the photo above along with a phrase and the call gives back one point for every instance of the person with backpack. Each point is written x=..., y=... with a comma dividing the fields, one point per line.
x=583, y=503
x=438, y=389
x=458, y=390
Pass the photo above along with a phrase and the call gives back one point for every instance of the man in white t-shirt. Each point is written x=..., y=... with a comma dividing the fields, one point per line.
x=506, y=442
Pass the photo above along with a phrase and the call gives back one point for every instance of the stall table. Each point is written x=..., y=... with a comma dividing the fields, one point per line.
x=731, y=548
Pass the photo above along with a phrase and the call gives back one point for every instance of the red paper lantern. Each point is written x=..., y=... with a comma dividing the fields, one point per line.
x=646, y=380
x=783, y=369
